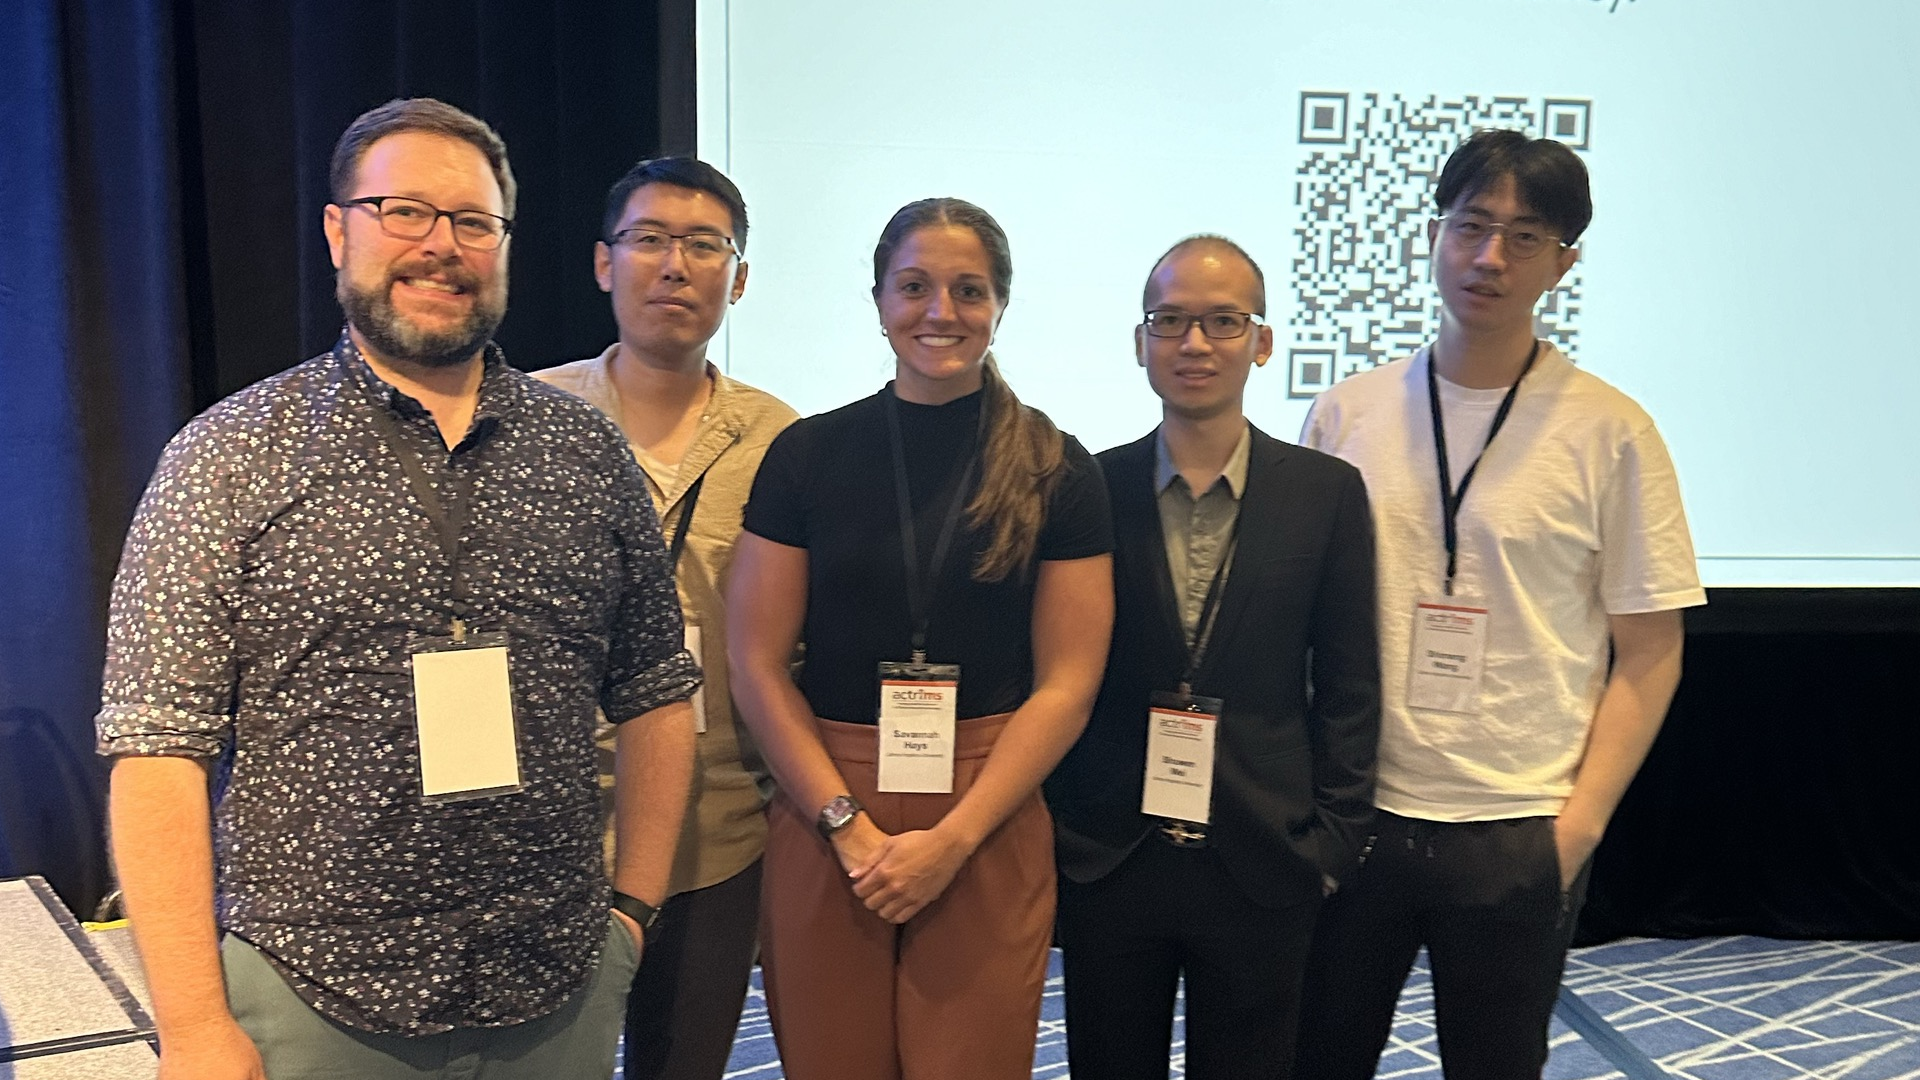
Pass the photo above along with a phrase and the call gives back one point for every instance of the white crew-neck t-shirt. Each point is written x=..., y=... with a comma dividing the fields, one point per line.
x=1573, y=515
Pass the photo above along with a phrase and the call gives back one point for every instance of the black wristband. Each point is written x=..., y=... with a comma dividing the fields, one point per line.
x=639, y=911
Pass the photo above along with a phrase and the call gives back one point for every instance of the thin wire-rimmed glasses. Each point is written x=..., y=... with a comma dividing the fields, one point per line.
x=1214, y=324
x=700, y=247
x=411, y=219
x=1517, y=240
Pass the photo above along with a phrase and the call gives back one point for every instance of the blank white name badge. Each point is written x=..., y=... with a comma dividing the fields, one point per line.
x=1179, y=777
x=463, y=707
x=918, y=703
x=700, y=695
x=1449, y=649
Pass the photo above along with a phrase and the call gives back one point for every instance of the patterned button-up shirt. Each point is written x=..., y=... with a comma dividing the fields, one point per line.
x=273, y=579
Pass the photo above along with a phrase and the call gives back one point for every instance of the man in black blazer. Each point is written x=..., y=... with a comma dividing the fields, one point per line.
x=1225, y=781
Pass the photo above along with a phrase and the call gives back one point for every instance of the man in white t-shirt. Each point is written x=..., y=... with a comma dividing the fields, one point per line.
x=1529, y=527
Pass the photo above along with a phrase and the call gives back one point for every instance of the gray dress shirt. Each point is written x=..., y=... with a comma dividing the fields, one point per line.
x=1198, y=530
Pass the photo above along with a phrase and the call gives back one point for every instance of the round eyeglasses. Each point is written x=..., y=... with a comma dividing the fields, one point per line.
x=1517, y=241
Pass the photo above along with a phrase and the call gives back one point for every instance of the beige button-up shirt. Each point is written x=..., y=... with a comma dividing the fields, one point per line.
x=726, y=825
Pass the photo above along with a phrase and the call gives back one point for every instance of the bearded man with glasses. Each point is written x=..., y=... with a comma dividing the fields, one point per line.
x=1225, y=780
x=1530, y=528
x=372, y=603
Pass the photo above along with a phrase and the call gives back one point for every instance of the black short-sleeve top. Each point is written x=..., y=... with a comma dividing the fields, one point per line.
x=827, y=485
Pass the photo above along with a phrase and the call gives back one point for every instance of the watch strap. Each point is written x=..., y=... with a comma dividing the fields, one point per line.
x=639, y=911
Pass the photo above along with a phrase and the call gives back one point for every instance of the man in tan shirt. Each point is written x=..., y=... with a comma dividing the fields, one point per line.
x=671, y=256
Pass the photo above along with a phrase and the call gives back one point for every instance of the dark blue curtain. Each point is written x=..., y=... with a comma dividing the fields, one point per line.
x=93, y=379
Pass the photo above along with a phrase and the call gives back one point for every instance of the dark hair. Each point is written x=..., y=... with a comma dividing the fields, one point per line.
x=927, y=213
x=1210, y=240
x=418, y=114
x=1550, y=178
x=1024, y=457
x=681, y=171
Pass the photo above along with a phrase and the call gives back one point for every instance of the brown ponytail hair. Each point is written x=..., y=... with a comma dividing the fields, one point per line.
x=1024, y=458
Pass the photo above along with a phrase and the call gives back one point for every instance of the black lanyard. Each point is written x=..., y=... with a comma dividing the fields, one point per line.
x=1209, y=610
x=447, y=519
x=1450, y=500
x=683, y=526
x=920, y=589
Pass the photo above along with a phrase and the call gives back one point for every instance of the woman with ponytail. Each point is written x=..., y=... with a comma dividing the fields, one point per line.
x=944, y=552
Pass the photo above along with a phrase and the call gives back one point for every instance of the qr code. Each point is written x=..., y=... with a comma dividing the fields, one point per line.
x=1363, y=294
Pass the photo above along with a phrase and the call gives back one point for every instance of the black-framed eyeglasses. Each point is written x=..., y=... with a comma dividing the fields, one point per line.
x=700, y=247
x=411, y=219
x=1518, y=241
x=1214, y=324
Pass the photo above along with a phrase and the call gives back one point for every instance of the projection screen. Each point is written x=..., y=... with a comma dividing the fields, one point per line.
x=1747, y=276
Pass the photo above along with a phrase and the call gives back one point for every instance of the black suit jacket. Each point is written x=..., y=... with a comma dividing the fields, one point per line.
x=1294, y=656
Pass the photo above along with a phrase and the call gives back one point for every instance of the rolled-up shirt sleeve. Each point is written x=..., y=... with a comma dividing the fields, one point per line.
x=170, y=677
x=648, y=665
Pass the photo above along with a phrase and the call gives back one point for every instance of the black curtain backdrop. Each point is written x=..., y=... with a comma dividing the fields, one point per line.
x=1779, y=798
x=579, y=89
x=162, y=180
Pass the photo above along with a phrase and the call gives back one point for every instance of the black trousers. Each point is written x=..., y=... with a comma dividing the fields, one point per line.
x=686, y=998
x=1484, y=898
x=1163, y=913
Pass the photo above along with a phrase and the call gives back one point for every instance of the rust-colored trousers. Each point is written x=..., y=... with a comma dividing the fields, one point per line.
x=954, y=994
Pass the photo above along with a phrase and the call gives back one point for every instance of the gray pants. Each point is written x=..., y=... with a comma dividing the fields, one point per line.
x=576, y=1040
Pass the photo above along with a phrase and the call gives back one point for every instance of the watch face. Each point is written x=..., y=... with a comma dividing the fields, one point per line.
x=838, y=811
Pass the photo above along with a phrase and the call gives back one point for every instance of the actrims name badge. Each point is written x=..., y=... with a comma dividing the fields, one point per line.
x=1449, y=650
x=1179, y=771
x=918, y=704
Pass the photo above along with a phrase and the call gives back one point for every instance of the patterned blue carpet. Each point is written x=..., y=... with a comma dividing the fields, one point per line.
x=1714, y=1009
x=1751, y=1008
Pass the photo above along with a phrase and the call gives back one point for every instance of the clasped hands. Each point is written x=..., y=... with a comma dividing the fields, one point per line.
x=896, y=876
